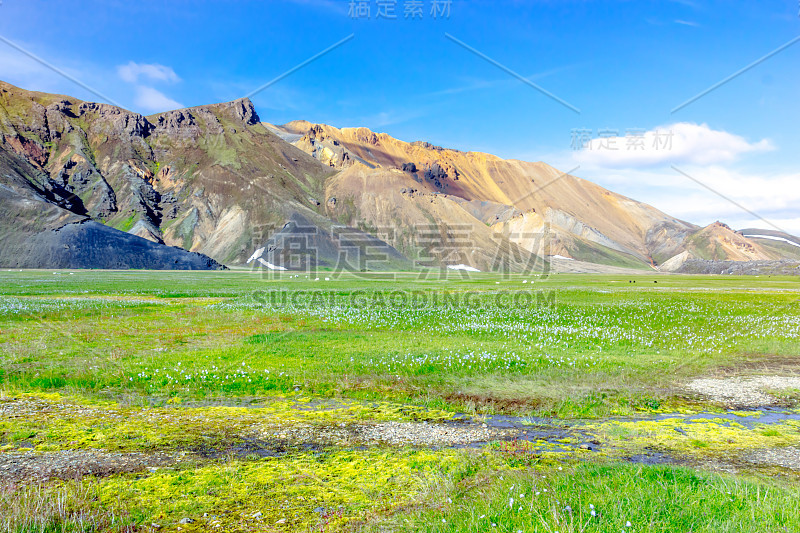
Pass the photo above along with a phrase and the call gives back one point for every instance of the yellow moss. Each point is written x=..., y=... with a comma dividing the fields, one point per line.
x=110, y=426
x=290, y=493
x=715, y=436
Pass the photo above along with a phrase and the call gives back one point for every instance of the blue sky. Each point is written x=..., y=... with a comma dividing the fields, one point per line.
x=624, y=64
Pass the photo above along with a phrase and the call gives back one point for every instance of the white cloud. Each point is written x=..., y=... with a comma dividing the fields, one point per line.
x=679, y=143
x=152, y=100
x=147, y=99
x=772, y=197
x=687, y=23
x=153, y=72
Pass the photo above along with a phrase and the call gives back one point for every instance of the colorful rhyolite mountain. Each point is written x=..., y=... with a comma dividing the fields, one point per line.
x=92, y=185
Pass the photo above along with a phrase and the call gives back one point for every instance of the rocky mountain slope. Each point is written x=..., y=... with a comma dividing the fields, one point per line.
x=383, y=179
x=781, y=244
x=92, y=184
x=209, y=179
x=37, y=233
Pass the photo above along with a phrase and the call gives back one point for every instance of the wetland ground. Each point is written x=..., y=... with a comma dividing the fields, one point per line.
x=231, y=401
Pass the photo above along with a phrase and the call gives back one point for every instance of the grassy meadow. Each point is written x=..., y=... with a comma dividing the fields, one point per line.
x=212, y=369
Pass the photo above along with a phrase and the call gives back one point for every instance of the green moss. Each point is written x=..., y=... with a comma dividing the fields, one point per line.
x=124, y=224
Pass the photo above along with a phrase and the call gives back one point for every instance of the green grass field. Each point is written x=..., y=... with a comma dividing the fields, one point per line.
x=198, y=364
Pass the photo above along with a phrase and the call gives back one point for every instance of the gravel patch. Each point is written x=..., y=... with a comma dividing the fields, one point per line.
x=410, y=433
x=743, y=392
x=392, y=433
x=27, y=407
x=73, y=464
x=785, y=457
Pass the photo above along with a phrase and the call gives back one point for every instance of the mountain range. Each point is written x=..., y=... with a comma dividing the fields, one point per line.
x=89, y=185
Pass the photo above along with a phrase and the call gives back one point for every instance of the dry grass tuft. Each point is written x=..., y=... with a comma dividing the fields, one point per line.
x=68, y=507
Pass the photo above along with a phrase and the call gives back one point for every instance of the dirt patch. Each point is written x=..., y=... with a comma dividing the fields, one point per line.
x=763, y=365
x=74, y=464
x=493, y=404
x=744, y=391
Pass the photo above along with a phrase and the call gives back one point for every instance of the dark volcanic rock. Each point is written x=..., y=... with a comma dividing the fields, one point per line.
x=90, y=244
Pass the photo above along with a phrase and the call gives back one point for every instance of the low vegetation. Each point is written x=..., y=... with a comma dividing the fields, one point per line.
x=236, y=401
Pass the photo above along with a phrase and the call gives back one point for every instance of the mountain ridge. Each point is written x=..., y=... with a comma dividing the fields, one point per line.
x=588, y=221
x=218, y=181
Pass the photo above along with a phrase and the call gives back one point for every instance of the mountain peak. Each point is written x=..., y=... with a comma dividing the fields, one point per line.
x=241, y=109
